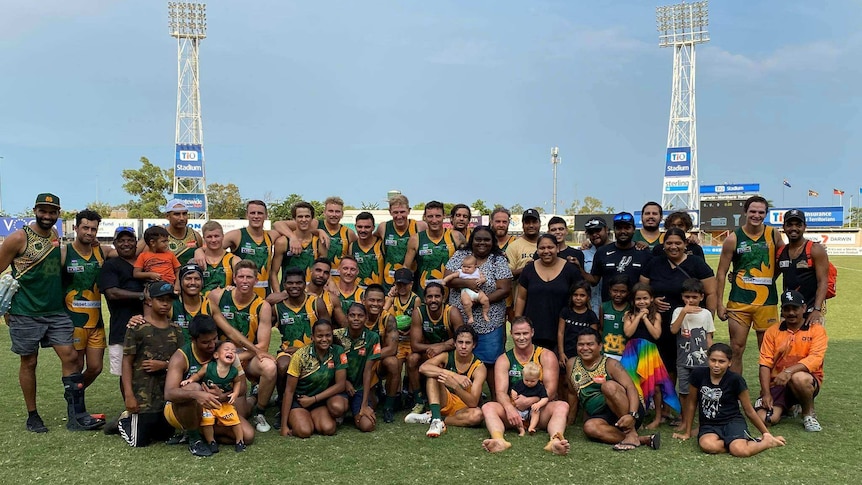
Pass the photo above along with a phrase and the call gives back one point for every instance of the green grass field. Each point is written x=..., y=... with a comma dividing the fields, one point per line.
x=400, y=453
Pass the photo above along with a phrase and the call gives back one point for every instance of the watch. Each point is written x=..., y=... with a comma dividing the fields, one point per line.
x=635, y=414
x=816, y=309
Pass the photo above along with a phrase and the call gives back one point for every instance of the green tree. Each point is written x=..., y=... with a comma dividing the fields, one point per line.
x=480, y=208
x=151, y=185
x=590, y=205
x=318, y=208
x=517, y=209
x=281, y=210
x=224, y=202
x=369, y=206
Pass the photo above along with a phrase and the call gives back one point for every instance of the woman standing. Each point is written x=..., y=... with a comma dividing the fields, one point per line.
x=544, y=292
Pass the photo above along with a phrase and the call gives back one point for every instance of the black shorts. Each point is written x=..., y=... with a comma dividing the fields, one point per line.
x=783, y=397
x=728, y=432
x=295, y=405
x=609, y=417
x=143, y=429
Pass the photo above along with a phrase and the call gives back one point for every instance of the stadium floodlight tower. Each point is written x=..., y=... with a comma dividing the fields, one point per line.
x=555, y=160
x=682, y=26
x=188, y=23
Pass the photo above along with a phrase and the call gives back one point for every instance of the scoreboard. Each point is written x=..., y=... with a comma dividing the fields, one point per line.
x=721, y=215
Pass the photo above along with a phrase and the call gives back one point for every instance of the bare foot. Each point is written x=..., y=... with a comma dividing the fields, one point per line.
x=680, y=428
x=532, y=431
x=520, y=431
x=558, y=445
x=493, y=445
x=655, y=423
x=486, y=317
x=773, y=441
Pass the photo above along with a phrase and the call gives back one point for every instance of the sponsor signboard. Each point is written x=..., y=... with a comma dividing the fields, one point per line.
x=814, y=216
x=8, y=225
x=189, y=161
x=194, y=202
x=729, y=189
x=678, y=162
x=675, y=185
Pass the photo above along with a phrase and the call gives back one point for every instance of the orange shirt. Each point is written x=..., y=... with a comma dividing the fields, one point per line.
x=783, y=348
x=165, y=264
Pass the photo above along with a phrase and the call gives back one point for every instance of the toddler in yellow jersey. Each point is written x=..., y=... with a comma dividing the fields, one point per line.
x=470, y=271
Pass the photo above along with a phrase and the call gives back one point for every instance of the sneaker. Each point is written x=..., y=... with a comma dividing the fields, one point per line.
x=418, y=408
x=199, y=448
x=418, y=418
x=811, y=424
x=758, y=403
x=239, y=447
x=179, y=438
x=794, y=411
x=35, y=424
x=260, y=423
x=277, y=421
x=437, y=428
x=388, y=415
x=213, y=447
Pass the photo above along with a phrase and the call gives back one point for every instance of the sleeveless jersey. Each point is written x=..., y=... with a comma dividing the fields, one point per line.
x=257, y=251
x=182, y=317
x=370, y=263
x=338, y=246
x=754, y=269
x=403, y=313
x=218, y=275
x=245, y=319
x=506, y=244
x=613, y=336
x=588, y=384
x=349, y=299
x=474, y=364
x=184, y=247
x=193, y=362
x=395, y=249
x=212, y=379
x=83, y=299
x=639, y=237
x=378, y=326
x=294, y=323
x=431, y=258
x=435, y=331
x=516, y=366
x=303, y=260
x=38, y=273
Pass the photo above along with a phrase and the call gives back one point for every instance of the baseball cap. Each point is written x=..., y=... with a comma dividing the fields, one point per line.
x=403, y=275
x=794, y=214
x=595, y=223
x=120, y=230
x=189, y=268
x=792, y=298
x=47, y=199
x=530, y=213
x=161, y=288
x=624, y=218
x=175, y=205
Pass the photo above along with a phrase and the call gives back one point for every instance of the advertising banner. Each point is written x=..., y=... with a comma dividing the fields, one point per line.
x=729, y=189
x=814, y=216
x=189, y=161
x=678, y=162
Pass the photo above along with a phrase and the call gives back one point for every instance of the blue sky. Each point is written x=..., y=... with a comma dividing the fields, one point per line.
x=447, y=100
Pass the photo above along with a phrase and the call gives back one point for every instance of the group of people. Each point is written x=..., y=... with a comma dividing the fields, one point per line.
x=412, y=308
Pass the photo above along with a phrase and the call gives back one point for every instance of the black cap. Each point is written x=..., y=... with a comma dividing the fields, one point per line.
x=792, y=297
x=403, y=275
x=530, y=213
x=161, y=288
x=191, y=268
x=595, y=223
x=624, y=218
x=794, y=214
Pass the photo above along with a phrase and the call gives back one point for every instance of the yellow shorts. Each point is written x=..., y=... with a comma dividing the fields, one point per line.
x=92, y=338
x=453, y=403
x=404, y=351
x=170, y=417
x=758, y=317
x=226, y=415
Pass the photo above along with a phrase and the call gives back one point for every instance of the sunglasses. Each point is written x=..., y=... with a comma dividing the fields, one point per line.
x=124, y=229
x=628, y=218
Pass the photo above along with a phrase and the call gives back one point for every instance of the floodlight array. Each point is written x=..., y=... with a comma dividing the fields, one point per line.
x=684, y=23
x=187, y=20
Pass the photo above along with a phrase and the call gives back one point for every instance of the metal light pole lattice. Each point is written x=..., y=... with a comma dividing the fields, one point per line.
x=187, y=22
x=682, y=26
x=555, y=160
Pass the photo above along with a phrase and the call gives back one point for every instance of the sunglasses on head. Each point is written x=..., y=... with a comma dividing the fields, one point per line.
x=624, y=218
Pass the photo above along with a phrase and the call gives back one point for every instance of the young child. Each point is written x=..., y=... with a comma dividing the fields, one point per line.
x=717, y=393
x=157, y=262
x=221, y=373
x=694, y=329
x=400, y=302
x=611, y=315
x=529, y=386
x=470, y=271
x=642, y=324
x=574, y=318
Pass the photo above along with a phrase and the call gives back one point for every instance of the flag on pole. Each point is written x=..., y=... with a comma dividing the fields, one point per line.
x=813, y=193
x=837, y=192
x=786, y=183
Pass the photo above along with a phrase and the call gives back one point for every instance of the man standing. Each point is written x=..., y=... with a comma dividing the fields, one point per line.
x=182, y=240
x=460, y=217
x=385, y=327
x=607, y=395
x=503, y=413
x=367, y=250
x=753, y=298
x=340, y=236
x=805, y=265
x=252, y=243
x=557, y=227
x=123, y=292
x=37, y=316
x=82, y=262
x=311, y=245
x=621, y=257
x=395, y=234
x=349, y=291
x=500, y=218
x=520, y=251
x=597, y=233
x=430, y=249
x=649, y=235
x=791, y=364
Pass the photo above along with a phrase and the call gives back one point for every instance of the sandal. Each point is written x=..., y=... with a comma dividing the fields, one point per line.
x=623, y=446
x=655, y=441
x=811, y=424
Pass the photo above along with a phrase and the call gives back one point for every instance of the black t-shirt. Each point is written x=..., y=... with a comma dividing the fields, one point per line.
x=538, y=390
x=718, y=404
x=610, y=260
x=690, y=249
x=667, y=281
x=545, y=299
x=574, y=323
x=117, y=273
x=566, y=254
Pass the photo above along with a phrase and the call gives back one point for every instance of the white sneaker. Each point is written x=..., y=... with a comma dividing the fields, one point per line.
x=260, y=423
x=418, y=418
x=811, y=424
x=437, y=428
